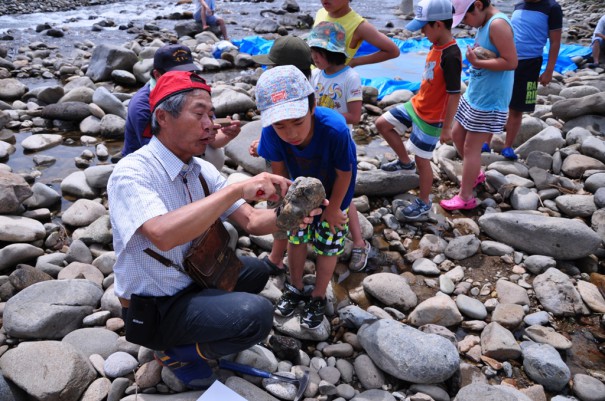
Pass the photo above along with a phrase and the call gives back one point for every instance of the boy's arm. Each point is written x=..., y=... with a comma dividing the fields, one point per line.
x=554, y=38
x=387, y=49
x=279, y=168
x=332, y=214
x=224, y=135
x=501, y=35
x=451, y=106
x=353, y=113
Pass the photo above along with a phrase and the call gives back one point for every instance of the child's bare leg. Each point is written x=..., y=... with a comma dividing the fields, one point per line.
x=355, y=227
x=472, y=162
x=221, y=24
x=277, y=252
x=459, y=136
x=297, y=255
x=324, y=269
x=513, y=125
x=425, y=173
x=388, y=132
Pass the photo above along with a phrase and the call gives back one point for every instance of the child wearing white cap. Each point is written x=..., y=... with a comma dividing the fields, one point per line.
x=302, y=140
x=430, y=113
x=483, y=108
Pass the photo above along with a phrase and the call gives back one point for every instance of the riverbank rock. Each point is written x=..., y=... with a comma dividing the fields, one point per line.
x=408, y=353
x=537, y=234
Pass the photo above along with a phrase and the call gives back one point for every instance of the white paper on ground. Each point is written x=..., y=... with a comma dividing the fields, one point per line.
x=218, y=391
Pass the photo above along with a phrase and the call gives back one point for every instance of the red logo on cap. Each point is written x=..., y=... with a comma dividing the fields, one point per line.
x=278, y=96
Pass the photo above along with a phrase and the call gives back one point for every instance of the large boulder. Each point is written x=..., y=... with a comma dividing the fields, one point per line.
x=547, y=141
x=556, y=292
x=237, y=149
x=48, y=370
x=68, y=111
x=537, y=234
x=571, y=108
x=106, y=58
x=50, y=309
x=384, y=183
x=13, y=190
x=408, y=353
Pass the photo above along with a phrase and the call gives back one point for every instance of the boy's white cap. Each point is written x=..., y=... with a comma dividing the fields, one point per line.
x=282, y=94
x=430, y=10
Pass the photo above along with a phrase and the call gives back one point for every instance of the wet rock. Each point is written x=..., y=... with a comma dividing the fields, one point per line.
x=38, y=142
x=541, y=235
x=548, y=335
x=557, y=294
x=511, y=293
x=43, y=196
x=20, y=229
x=499, y=343
x=439, y=309
x=471, y=307
x=50, y=309
x=94, y=340
x=591, y=296
x=409, y=354
x=11, y=89
x=112, y=126
x=106, y=58
x=546, y=141
x=544, y=365
x=391, y=290
x=462, y=247
x=571, y=108
x=68, y=111
x=486, y=392
x=588, y=388
x=75, y=184
x=13, y=190
x=576, y=205
x=108, y=102
x=48, y=370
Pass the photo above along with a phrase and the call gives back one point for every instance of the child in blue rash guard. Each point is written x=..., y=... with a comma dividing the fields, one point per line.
x=301, y=139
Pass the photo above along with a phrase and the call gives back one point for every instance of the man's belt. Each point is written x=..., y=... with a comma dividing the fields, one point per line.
x=124, y=302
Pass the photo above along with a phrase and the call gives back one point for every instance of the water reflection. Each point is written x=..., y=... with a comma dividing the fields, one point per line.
x=22, y=161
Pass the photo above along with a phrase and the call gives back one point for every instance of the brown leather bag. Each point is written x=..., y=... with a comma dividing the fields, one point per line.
x=210, y=262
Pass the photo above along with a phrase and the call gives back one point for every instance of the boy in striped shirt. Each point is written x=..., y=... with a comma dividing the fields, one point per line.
x=431, y=111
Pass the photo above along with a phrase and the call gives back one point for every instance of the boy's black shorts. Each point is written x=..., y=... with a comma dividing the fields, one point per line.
x=525, y=88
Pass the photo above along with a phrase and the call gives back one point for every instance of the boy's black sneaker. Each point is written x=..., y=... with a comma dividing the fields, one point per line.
x=289, y=300
x=313, y=313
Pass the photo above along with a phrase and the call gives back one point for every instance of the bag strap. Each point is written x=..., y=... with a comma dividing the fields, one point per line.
x=164, y=260
x=204, y=185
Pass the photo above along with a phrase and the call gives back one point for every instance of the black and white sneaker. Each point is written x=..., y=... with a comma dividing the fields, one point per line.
x=313, y=313
x=289, y=300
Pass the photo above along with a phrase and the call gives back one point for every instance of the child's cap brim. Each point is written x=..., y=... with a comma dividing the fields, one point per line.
x=284, y=111
x=415, y=25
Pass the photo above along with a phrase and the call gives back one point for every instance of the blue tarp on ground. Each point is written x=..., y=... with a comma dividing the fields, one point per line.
x=405, y=71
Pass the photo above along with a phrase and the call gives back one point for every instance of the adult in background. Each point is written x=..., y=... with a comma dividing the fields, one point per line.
x=288, y=50
x=357, y=30
x=598, y=42
x=205, y=14
x=157, y=201
x=534, y=23
x=174, y=57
